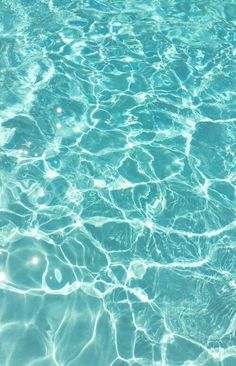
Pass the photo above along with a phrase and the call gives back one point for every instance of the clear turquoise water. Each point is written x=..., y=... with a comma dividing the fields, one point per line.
x=117, y=183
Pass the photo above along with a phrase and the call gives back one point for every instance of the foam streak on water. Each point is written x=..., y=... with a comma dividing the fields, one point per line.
x=117, y=183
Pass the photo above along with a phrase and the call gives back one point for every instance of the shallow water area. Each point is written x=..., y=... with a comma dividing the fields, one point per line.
x=117, y=183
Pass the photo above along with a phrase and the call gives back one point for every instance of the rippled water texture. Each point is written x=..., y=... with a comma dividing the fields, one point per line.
x=117, y=182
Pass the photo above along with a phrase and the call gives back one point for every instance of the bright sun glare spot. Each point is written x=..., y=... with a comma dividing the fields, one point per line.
x=149, y=224
x=59, y=110
x=35, y=260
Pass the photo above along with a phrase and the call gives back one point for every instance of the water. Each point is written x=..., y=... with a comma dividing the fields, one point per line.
x=117, y=177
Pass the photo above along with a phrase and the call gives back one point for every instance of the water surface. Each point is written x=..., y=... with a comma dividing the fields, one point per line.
x=117, y=183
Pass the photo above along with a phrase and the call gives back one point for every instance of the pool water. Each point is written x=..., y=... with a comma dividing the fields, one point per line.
x=117, y=183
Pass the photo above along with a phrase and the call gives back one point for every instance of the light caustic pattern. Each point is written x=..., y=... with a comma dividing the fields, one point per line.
x=117, y=183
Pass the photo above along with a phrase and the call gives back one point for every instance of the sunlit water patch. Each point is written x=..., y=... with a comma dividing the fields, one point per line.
x=117, y=183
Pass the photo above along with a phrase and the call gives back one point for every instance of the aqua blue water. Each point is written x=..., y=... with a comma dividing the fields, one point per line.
x=117, y=183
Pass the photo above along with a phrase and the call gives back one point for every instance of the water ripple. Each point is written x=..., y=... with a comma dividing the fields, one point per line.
x=117, y=183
